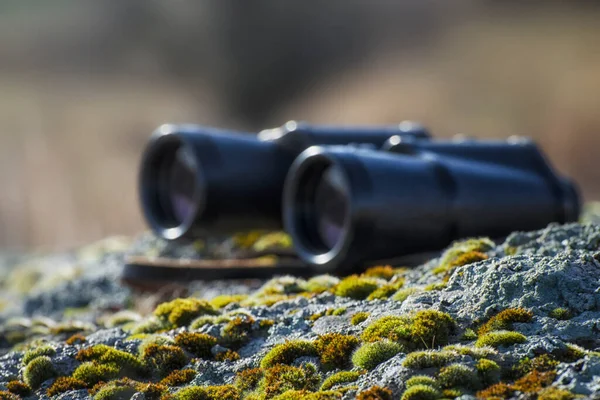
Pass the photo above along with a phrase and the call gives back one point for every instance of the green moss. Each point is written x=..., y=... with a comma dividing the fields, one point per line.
x=248, y=379
x=505, y=319
x=163, y=359
x=571, y=353
x=45, y=350
x=124, y=388
x=469, y=334
x=338, y=311
x=306, y=395
x=380, y=271
x=126, y=363
x=180, y=312
x=340, y=378
x=375, y=393
x=91, y=373
x=273, y=240
x=359, y=317
x=203, y=320
x=151, y=325
x=500, y=338
x=422, y=380
x=429, y=358
x=20, y=388
x=497, y=391
x=281, y=378
x=489, y=371
x=370, y=355
x=38, y=370
x=226, y=299
x=458, y=375
x=451, y=393
x=554, y=393
x=421, y=392
x=472, y=351
x=65, y=384
x=425, y=329
x=560, y=313
x=179, y=377
x=463, y=259
x=387, y=290
x=199, y=344
x=402, y=294
x=237, y=332
x=282, y=285
x=321, y=283
x=287, y=352
x=115, y=391
x=228, y=355
x=335, y=350
x=355, y=287
x=435, y=286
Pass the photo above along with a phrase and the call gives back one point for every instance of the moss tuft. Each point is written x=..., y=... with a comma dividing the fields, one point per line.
x=375, y=393
x=489, y=371
x=421, y=392
x=199, y=344
x=163, y=359
x=228, y=355
x=435, y=287
x=19, y=388
x=151, y=325
x=91, y=373
x=45, y=350
x=504, y=320
x=380, y=271
x=553, y=393
x=248, y=379
x=458, y=375
x=126, y=363
x=534, y=381
x=179, y=377
x=180, y=312
x=560, y=313
x=541, y=363
x=370, y=355
x=65, y=384
x=387, y=290
x=225, y=299
x=237, y=332
x=500, y=338
x=321, y=283
x=287, y=352
x=355, y=287
x=203, y=320
x=6, y=395
x=115, y=390
x=429, y=358
x=225, y=392
x=402, y=294
x=77, y=338
x=38, y=370
x=359, y=317
x=422, y=380
x=281, y=378
x=340, y=378
x=335, y=350
x=427, y=328
x=472, y=351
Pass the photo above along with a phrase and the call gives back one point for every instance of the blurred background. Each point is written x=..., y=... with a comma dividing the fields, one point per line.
x=84, y=82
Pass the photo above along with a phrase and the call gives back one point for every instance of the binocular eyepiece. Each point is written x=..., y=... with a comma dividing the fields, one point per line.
x=348, y=195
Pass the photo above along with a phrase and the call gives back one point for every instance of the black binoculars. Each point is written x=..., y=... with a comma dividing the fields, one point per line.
x=348, y=195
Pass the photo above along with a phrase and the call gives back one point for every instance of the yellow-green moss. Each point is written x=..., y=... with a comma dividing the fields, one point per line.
x=500, y=338
x=199, y=344
x=179, y=377
x=429, y=358
x=287, y=352
x=451, y=393
x=77, y=338
x=504, y=320
x=163, y=359
x=541, y=363
x=226, y=299
x=458, y=375
x=571, y=353
x=554, y=393
x=340, y=378
x=273, y=240
x=355, y=287
x=306, y=395
x=435, y=287
x=237, y=332
x=463, y=259
x=228, y=355
x=38, y=370
x=180, y=312
x=126, y=363
x=65, y=384
x=19, y=388
x=91, y=373
x=370, y=355
x=387, y=290
x=402, y=294
x=489, y=371
x=421, y=392
x=248, y=379
x=472, y=351
x=375, y=393
x=422, y=380
x=282, y=285
x=469, y=334
x=425, y=329
x=321, y=283
x=115, y=390
x=335, y=350
x=45, y=350
x=497, y=391
x=281, y=378
x=151, y=325
x=359, y=317
x=380, y=271
x=560, y=313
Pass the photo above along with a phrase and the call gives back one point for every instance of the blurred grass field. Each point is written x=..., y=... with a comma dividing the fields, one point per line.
x=82, y=85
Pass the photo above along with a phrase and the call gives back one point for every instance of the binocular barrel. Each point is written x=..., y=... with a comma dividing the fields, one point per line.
x=195, y=179
x=344, y=206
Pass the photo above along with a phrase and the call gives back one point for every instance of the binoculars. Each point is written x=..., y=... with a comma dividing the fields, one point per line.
x=348, y=195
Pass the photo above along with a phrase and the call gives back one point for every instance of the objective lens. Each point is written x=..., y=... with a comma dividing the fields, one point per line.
x=331, y=206
x=178, y=185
